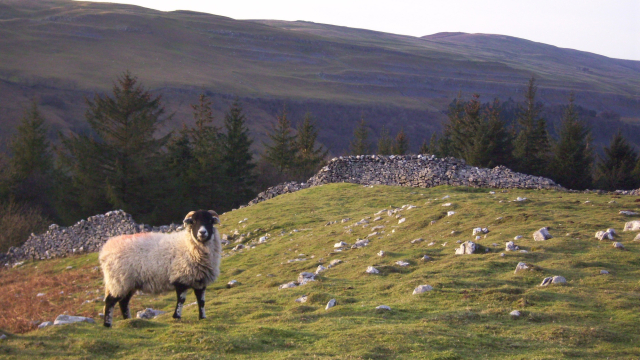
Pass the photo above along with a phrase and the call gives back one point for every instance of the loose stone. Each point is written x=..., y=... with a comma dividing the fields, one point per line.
x=421, y=289
x=330, y=304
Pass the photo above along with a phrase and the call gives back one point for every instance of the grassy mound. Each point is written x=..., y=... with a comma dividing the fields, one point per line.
x=466, y=315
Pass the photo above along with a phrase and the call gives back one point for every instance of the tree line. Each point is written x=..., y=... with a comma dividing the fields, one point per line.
x=477, y=133
x=126, y=162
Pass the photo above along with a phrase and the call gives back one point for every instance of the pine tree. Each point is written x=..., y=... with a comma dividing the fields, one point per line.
x=360, y=144
x=531, y=150
x=614, y=171
x=281, y=154
x=237, y=157
x=424, y=148
x=178, y=166
x=401, y=145
x=309, y=158
x=31, y=165
x=119, y=166
x=572, y=154
x=385, y=143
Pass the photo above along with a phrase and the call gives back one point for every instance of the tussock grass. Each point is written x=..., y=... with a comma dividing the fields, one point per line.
x=465, y=316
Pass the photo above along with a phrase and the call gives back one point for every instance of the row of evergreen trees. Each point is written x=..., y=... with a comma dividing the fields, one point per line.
x=477, y=133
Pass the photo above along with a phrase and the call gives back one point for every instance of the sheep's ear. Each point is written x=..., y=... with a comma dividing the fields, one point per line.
x=187, y=219
x=216, y=218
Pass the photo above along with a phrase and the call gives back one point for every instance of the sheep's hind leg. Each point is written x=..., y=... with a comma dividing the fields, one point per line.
x=181, y=292
x=109, y=305
x=200, y=298
x=124, y=305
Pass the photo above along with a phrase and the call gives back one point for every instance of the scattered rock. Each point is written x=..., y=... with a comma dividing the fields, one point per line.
x=637, y=238
x=372, y=270
x=3, y=337
x=45, y=324
x=604, y=272
x=383, y=307
x=148, y=313
x=402, y=220
x=378, y=218
x=422, y=288
x=426, y=258
x=305, y=277
x=238, y=247
x=362, y=242
x=553, y=280
x=433, y=222
x=521, y=266
x=232, y=283
x=334, y=262
x=381, y=253
x=618, y=245
x=517, y=237
x=345, y=220
x=330, y=304
x=542, y=234
x=515, y=313
x=466, y=248
x=288, y=285
x=511, y=246
x=68, y=319
x=521, y=198
x=402, y=263
x=451, y=213
x=302, y=299
x=415, y=241
x=632, y=226
x=376, y=228
x=629, y=213
x=604, y=235
x=340, y=244
x=320, y=269
x=446, y=204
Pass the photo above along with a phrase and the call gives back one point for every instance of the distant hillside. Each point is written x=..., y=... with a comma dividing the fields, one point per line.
x=60, y=51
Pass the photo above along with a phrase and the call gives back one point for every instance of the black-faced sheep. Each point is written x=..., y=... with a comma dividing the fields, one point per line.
x=156, y=262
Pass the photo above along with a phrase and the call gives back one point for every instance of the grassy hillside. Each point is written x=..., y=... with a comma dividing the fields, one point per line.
x=466, y=315
x=60, y=51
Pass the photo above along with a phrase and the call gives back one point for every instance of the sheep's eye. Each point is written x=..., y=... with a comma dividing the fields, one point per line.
x=188, y=221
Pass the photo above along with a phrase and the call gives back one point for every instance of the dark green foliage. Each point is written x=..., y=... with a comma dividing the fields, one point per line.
x=119, y=167
x=237, y=158
x=308, y=157
x=401, y=145
x=385, y=143
x=615, y=171
x=476, y=135
x=281, y=152
x=572, y=153
x=178, y=162
x=531, y=148
x=360, y=144
x=28, y=176
x=18, y=221
x=424, y=148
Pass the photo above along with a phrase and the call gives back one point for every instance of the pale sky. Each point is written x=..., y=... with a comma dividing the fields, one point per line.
x=605, y=27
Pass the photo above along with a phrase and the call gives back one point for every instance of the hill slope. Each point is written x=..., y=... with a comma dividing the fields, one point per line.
x=466, y=315
x=62, y=50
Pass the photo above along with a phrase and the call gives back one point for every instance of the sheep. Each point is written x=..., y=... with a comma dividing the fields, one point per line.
x=156, y=262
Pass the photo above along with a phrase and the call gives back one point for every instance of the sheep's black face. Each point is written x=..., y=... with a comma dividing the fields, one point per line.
x=200, y=224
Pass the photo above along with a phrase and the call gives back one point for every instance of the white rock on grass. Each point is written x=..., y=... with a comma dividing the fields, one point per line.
x=232, y=283
x=383, y=307
x=372, y=270
x=45, y=324
x=340, y=244
x=632, y=226
x=305, y=277
x=402, y=263
x=637, y=238
x=629, y=213
x=446, y=204
x=451, y=213
x=515, y=313
x=553, y=280
x=302, y=299
x=466, y=248
x=320, y=269
x=431, y=243
x=380, y=212
x=381, y=253
x=334, y=262
x=511, y=246
x=618, y=245
x=402, y=220
x=288, y=285
x=520, y=267
x=330, y=304
x=3, y=337
x=415, y=241
x=604, y=235
x=377, y=218
x=517, y=237
x=148, y=313
x=362, y=242
x=521, y=198
x=542, y=234
x=604, y=272
x=421, y=289
x=376, y=228
x=68, y=319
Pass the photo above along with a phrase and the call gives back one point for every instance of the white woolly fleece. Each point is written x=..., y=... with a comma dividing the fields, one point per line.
x=151, y=262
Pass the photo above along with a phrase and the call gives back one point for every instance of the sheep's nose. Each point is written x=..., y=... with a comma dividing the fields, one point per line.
x=202, y=232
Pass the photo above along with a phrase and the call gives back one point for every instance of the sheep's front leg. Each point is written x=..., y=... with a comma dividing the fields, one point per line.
x=200, y=298
x=124, y=305
x=181, y=292
x=109, y=305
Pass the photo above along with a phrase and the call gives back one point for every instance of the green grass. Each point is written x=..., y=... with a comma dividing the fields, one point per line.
x=465, y=316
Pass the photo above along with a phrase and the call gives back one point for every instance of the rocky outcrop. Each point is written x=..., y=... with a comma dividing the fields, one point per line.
x=413, y=171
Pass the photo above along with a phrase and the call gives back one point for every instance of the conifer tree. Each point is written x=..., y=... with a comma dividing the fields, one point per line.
x=614, y=171
x=572, y=154
x=309, y=158
x=178, y=166
x=119, y=166
x=237, y=157
x=31, y=164
x=385, y=143
x=401, y=145
x=531, y=150
x=360, y=144
x=281, y=153
x=424, y=148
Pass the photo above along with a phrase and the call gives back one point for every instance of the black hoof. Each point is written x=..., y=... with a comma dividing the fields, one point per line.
x=202, y=317
x=177, y=317
x=107, y=325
